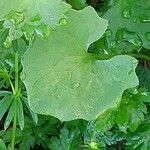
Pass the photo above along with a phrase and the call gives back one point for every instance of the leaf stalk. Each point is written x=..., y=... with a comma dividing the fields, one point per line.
x=15, y=94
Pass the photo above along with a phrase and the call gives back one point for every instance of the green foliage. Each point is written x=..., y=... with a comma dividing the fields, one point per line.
x=4, y=104
x=144, y=76
x=30, y=17
x=105, y=121
x=93, y=138
x=2, y=145
x=62, y=62
x=33, y=134
x=132, y=109
x=133, y=16
x=67, y=140
x=77, y=4
x=32, y=12
x=68, y=72
x=140, y=138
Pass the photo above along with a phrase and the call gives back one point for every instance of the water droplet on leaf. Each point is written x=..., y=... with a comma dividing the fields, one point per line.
x=135, y=19
x=35, y=18
x=126, y=13
x=6, y=125
x=137, y=42
x=62, y=22
x=105, y=52
x=144, y=19
x=8, y=43
x=108, y=33
x=113, y=45
x=135, y=61
x=144, y=93
x=93, y=145
x=23, y=76
x=147, y=35
x=135, y=91
x=130, y=37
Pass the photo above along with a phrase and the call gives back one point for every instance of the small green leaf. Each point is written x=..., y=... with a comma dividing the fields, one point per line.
x=20, y=114
x=4, y=93
x=11, y=113
x=34, y=115
x=4, y=105
x=2, y=83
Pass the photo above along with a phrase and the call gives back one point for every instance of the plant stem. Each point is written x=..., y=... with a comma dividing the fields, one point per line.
x=141, y=56
x=14, y=131
x=11, y=84
x=16, y=97
x=16, y=71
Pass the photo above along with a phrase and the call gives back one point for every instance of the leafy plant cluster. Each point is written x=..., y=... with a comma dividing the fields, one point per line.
x=75, y=74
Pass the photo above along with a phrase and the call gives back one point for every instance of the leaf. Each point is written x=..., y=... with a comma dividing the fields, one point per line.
x=27, y=143
x=105, y=121
x=2, y=145
x=20, y=114
x=132, y=110
x=140, y=139
x=34, y=115
x=4, y=93
x=65, y=81
x=92, y=137
x=3, y=52
x=4, y=105
x=66, y=141
x=133, y=15
x=48, y=11
x=11, y=114
x=144, y=76
x=77, y=4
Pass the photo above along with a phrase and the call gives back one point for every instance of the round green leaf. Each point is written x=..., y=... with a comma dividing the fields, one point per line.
x=65, y=81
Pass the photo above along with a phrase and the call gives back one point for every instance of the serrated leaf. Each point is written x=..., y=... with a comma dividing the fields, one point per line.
x=140, y=139
x=66, y=140
x=2, y=145
x=65, y=81
x=93, y=138
x=133, y=15
x=4, y=105
x=49, y=11
x=27, y=143
x=11, y=114
x=132, y=109
x=20, y=114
